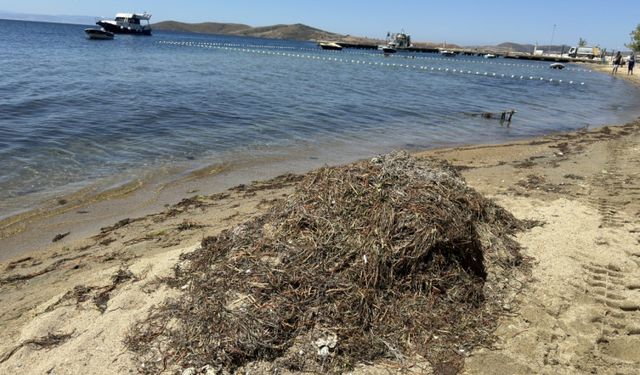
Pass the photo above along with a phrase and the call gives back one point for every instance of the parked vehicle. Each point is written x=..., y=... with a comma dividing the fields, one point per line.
x=584, y=52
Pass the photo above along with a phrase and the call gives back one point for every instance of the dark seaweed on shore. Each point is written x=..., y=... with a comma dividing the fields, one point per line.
x=388, y=259
x=60, y=236
x=51, y=340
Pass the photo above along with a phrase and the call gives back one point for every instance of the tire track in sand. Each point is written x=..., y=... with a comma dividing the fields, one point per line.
x=616, y=288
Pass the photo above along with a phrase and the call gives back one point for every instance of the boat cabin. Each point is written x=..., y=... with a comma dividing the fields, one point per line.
x=130, y=19
x=128, y=23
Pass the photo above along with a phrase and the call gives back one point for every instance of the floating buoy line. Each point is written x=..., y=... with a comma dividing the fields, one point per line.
x=354, y=52
x=275, y=51
x=451, y=59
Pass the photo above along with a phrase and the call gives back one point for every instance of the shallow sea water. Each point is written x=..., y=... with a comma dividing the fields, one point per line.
x=77, y=113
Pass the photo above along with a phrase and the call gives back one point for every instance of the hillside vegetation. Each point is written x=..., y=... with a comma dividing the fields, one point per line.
x=294, y=32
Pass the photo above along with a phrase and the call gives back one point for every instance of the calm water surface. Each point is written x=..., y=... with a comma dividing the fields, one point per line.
x=76, y=113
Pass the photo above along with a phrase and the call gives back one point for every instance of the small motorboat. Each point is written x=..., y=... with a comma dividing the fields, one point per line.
x=99, y=34
x=331, y=46
x=490, y=56
x=447, y=53
x=557, y=66
x=387, y=49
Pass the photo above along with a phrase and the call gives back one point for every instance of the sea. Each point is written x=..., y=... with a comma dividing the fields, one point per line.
x=86, y=115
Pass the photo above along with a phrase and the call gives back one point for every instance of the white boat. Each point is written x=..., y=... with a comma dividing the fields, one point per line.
x=99, y=34
x=128, y=23
x=556, y=66
x=387, y=49
x=445, y=52
x=490, y=56
x=399, y=41
x=396, y=42
x=330, y=46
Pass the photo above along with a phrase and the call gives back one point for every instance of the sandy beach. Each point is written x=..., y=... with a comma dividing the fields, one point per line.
x=622, y=72
x=67, y=306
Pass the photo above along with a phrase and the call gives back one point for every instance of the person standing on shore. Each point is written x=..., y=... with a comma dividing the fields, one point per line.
x=632, y=62
x=617, y=60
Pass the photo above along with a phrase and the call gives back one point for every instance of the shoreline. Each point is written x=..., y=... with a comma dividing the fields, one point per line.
x=622, y=72
x=81, y=213
x=584, y=185
x=136, y=199
x=86, y=211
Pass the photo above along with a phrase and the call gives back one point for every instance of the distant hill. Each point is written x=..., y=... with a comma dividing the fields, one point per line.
x=295, y=32
x=515, y=47
x=203, y=28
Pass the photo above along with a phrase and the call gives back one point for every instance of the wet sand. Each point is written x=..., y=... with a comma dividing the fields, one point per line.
x=62, y=310
x=83, y=213
x=622, y=72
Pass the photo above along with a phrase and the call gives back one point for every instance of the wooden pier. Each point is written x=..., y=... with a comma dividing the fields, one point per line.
x=541, y=58
x=475, y=52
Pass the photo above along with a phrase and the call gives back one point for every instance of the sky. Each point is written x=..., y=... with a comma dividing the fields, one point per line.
x=463, y=22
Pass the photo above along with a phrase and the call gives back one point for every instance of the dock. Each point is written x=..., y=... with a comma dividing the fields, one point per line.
x=475, y=52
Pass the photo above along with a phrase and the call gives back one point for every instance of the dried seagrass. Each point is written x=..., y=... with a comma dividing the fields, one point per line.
x=382, y=259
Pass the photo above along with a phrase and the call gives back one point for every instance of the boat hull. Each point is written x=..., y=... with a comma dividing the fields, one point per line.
x=98, y=34
x=331, y=48
x=387, y=49
x=117, y=29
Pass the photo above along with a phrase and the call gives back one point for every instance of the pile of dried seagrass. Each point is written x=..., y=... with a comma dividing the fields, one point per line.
x=382, y=259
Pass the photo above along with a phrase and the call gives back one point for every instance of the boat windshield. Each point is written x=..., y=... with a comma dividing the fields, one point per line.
x=131, y=20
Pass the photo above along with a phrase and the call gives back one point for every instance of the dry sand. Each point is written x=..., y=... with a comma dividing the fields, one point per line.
x=580, y=310
x=63, y=312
